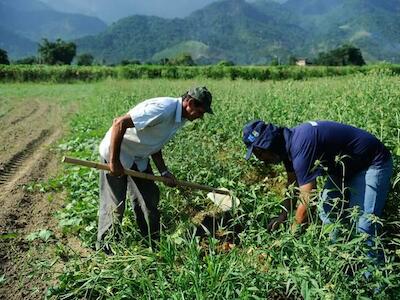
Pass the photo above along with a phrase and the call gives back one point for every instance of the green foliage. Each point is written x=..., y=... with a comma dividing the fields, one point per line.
x=43, y=235
x=4, y=57
x=183, y=59
x=292, y=60
x=39, y=73
x=279, y=265
x=342, y=56
x=225, y=63
x=31, y=60
x=274, y=62
x=126, y=62
x=85, y=59
x=56, y=53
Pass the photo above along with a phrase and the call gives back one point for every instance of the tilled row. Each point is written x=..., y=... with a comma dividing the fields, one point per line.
x=13, y=122
x=11, y=166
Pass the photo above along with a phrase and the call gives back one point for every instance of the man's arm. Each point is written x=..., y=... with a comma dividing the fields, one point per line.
x=305, y=194
x=159, y=162
x=118, y=129
x=162, y=168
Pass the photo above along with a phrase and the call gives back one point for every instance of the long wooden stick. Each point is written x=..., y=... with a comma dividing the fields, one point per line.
x=102, y=166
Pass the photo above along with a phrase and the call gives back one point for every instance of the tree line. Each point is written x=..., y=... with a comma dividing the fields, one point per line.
x=61, y=52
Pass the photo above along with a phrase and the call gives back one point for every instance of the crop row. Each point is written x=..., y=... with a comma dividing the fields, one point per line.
x=43, y=73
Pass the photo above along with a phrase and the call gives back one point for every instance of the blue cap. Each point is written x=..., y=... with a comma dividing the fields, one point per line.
x=258, y=134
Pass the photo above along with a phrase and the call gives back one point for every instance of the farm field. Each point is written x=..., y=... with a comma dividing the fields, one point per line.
x=49, y=211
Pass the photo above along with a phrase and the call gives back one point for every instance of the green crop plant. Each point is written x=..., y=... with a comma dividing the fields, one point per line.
x=263, y=265
x=67, y=73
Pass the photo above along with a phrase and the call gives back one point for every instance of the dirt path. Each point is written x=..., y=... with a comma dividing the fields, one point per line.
x=28, y=131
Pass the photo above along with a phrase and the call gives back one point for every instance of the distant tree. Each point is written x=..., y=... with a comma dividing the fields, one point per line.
x=164, y=61
x=56, y=53
x=31, y=60
x=274, y=62
x=4, y=57
x=225, y=63
x=355, y=56
x=183, y=59
x=85, y=59
x=342, y=56
x=126, y=62
x=292, y=60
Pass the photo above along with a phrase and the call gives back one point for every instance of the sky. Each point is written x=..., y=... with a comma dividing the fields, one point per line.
x=112, y=10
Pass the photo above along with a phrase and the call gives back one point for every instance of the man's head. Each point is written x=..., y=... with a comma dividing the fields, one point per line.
x=196, y=102
x=263, y=140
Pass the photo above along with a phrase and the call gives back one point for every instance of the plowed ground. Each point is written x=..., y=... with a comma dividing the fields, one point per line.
x=29, y=130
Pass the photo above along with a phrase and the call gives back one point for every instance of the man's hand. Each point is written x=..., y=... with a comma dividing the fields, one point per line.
x=172, y=179
x=274, y=223
x=116, y=169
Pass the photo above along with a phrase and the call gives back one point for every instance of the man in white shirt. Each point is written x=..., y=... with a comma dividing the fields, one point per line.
x=132, y=138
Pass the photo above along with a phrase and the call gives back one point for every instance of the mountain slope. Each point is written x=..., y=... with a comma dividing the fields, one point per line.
x=34, y=20
x=15, y=45
x=246, y=32
x=195, y=49
x=232, y=29
x=372, y=25
x=137, y=37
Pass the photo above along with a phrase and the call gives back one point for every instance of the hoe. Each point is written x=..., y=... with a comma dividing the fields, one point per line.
x=221, y=197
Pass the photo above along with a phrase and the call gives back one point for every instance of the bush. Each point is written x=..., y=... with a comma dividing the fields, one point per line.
x=85, y=59
x=57, y=53
x=4, y=57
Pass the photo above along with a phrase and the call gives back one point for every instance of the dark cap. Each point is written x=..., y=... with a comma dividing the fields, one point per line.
x=202, y=95
x=259, y=134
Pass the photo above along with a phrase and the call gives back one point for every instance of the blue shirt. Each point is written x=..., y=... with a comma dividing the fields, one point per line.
x=325, y=142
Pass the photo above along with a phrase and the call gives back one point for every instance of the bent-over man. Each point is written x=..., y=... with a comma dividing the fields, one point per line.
x=129, y=143
x=353, y=159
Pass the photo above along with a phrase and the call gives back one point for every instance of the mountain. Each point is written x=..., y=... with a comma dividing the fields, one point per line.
x=112, y=11
x=372, y=25
x=34, y=20
x=256, y=31
x=231, y=29
x=15, y=45
x=137, y=37
x=245, y=32
x=197, y=51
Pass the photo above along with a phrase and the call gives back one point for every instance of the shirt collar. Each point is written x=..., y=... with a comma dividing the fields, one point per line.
x=178, y=115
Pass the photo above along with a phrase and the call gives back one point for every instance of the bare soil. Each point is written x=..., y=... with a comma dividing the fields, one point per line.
x=28, y=132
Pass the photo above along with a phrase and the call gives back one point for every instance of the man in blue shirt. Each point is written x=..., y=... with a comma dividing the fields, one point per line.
x=354, y=160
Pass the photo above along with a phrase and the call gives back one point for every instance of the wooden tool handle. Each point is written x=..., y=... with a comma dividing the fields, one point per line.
x=105, y=167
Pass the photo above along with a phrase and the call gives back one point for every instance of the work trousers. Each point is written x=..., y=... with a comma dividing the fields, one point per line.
x=367, y=189
x=145, y=196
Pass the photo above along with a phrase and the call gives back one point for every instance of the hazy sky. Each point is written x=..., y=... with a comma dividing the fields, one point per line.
x=112, y=10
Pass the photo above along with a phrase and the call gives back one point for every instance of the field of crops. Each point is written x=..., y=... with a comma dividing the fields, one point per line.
x=260, y=265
